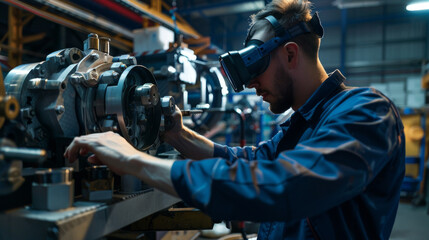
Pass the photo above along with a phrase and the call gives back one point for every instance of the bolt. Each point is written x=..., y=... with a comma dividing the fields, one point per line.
x=60, y=109
x=95, y=56
x=93, y=35
x=147, y=95
x=115, y=75
x=40, y=70
x=118, y=66
x=76, y=78
x=93, y=74
x=168, y=105
x=142, y=120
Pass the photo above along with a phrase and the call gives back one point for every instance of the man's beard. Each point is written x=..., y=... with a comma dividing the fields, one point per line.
x=283, y=102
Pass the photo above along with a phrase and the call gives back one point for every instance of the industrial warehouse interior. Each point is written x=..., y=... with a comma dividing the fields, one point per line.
x=198, y=119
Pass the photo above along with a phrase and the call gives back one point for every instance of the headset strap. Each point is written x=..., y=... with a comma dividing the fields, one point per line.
x=312, y=26
x=278, y=28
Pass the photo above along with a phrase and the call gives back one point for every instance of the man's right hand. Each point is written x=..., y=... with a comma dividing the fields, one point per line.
x=173, y=127
x=189, y=143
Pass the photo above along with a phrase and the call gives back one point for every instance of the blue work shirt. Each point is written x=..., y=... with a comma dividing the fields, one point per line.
x=334, y=171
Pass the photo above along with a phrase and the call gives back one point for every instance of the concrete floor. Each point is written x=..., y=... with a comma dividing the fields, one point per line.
x=411, y=223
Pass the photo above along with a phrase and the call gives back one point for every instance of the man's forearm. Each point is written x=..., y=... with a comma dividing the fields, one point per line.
x=153, y=171
x=191, y=144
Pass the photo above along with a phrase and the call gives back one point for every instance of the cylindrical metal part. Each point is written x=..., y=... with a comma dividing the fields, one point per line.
x=92, y=42
x=168, y=105
x=147, y=95
x=54, y=176
x=104, y=44
x=9, y=107
x=97, y=183
x=53, y=189
x=24, y=154
x=126, y=59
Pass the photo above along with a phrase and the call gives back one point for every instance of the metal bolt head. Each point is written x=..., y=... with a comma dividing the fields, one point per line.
x=93, y=74
x=93, y=35
x=142, y=119
x=118, y=67
x=147, y=95
x=60, y=109
x=127, y=59
x=95, y=56
x=76, y=78
x=92, y=78
x=168, y=105
x=115, y=75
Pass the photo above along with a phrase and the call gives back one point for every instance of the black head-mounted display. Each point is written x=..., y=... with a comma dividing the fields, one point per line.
x=243, y=65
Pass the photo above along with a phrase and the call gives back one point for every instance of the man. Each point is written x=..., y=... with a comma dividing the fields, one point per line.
x=333, y=172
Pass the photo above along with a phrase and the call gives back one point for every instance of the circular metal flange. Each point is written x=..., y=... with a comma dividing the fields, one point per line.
x=137, y=124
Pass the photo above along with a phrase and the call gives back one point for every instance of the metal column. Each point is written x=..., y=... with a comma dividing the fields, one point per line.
x=15, y=36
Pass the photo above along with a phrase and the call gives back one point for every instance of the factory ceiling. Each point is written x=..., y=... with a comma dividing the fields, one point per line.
x=223, y=22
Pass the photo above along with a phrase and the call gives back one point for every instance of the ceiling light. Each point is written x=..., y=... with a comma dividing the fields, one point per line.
x=418, y=6
x=342, y=4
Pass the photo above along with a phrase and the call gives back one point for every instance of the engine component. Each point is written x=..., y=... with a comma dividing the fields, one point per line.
x=190, y=81
x=97, y=183
x=11, y=157
x=9, y=108
x=75, y=92
x=53, y=189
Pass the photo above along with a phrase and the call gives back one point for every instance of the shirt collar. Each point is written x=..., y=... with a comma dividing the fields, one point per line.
x=325, y=90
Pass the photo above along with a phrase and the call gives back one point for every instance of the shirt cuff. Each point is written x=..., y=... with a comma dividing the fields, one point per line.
x=220, y=151
x=178, y=177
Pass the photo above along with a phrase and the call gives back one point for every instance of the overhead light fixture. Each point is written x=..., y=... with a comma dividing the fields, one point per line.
x=343, y=4
x=418, y=6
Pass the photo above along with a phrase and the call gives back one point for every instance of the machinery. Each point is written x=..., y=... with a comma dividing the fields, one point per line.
x=44, y=105
x=194, y=84
x=78, y=92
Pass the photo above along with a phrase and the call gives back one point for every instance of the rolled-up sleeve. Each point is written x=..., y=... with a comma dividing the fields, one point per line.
x=343, y=155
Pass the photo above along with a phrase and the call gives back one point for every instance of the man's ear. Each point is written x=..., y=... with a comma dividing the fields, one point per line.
x=291, y=49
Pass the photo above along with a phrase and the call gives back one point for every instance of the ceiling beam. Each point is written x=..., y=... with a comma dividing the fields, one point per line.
x=224, y=7
x=117, y=40
x=159, y=17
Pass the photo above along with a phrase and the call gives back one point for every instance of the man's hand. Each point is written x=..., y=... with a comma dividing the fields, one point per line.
x=114, y=151
x=107, y=148
x=175, y=126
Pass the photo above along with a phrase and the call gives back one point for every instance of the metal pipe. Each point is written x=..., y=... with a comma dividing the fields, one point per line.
x=24, y=154
x=159, y=17
x=87, y=16
x=120, y=10
x=121, y=43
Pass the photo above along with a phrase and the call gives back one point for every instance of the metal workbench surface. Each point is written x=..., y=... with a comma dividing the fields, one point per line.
x=85, y=220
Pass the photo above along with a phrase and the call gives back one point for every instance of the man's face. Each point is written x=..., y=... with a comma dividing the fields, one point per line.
x=275, y=85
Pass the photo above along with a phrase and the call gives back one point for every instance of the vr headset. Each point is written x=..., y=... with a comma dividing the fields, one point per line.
x=243, y=65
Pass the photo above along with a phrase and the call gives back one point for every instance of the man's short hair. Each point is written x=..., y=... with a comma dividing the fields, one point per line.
x=288, y=13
